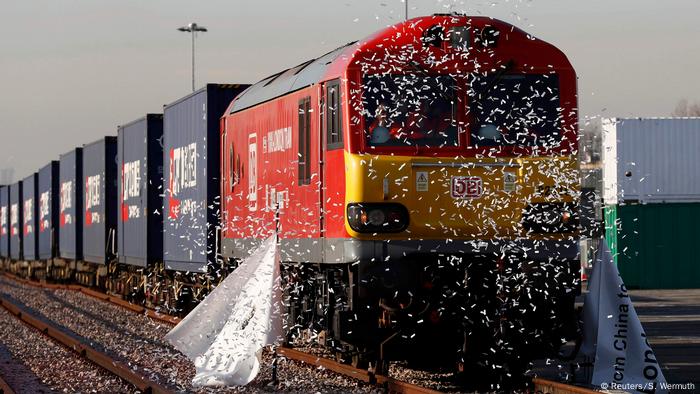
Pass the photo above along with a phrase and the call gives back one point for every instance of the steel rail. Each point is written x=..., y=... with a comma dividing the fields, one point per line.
x=550, y=387
x=396, y=386
x=391, y=385
x=162, y=317
x=5, y=388
x=83, y=349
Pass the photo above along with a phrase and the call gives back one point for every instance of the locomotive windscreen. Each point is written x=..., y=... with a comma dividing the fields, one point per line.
x=410, y=109
x=515, y=110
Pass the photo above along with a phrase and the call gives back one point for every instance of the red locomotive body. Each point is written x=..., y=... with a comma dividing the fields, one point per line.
x=442, y=137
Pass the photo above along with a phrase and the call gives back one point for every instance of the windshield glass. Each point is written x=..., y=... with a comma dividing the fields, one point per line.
x=409, y=110
x=521, y=110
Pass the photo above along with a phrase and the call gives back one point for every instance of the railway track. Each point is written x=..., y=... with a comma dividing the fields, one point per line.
x=162, y=317
x=391, y=385
x=82, y=347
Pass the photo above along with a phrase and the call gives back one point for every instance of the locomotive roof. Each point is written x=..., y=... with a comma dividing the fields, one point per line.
x=314, y=70
x=289, y=80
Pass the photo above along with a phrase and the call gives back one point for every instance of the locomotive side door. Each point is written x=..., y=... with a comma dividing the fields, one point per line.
x=305, y=220
x=331, y=166
x=319, y=118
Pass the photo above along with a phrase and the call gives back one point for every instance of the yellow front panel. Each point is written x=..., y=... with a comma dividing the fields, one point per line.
x=424, y=186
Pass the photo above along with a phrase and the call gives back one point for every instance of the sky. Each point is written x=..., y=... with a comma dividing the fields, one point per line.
x=71, y=71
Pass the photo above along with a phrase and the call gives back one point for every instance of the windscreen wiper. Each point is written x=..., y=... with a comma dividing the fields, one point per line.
x=498, y=75
x=422, y=71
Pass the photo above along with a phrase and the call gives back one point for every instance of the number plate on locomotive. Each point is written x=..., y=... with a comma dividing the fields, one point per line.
x=466, y=187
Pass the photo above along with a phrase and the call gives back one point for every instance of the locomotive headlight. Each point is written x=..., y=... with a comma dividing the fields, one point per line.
x=377, y=217
x=565, y=217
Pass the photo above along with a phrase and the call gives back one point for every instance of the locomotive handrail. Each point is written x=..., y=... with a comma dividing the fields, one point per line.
x=468, y=164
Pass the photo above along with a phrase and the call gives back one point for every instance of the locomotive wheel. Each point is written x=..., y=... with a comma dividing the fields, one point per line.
x=362, y=358
x=359, y=360
x=341, y=357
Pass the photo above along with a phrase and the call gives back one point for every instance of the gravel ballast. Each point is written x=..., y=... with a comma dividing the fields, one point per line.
x=139, y=341
x=36, y=363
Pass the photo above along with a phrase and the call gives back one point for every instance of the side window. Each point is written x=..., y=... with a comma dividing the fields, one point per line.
x=334, y=123
x=235, y=171
x=304, y=141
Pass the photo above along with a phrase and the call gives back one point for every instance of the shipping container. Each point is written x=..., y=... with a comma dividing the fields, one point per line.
x=16, y=221
x=70, y=237
x=191, y=177
x=654, y=244
x=4, y=222
x=29, y=218
x=651, y=160
x=140, y=220
x=100, y=200
x=49, y=231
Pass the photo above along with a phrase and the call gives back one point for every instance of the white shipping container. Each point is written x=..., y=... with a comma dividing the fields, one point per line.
x=651, y=160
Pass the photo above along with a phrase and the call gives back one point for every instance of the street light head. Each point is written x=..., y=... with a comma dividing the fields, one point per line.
x=192, y=27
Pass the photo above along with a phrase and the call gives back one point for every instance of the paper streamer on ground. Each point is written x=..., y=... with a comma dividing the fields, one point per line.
x=613, y=335
x=224, y=335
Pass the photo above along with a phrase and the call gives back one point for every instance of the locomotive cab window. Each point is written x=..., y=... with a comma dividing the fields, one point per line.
x=334, y=132
x=515, y=110
x=304, y=139
x=410, y=110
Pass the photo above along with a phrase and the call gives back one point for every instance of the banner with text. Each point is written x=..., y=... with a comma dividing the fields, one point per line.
x=613, y=334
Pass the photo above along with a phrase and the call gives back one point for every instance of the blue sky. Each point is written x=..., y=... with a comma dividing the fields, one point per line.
x=72, y=70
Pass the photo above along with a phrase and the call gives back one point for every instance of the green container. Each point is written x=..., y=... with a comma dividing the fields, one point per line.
x=655, y=246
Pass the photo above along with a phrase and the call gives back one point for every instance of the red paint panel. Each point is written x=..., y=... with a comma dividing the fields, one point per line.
x=260, y=170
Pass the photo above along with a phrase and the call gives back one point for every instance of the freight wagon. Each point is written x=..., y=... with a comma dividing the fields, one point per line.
x=99, y=210
x=48, y=222
x=16, y=235
x=70, y=214
x=140, y=210
x=30, y=214
x=191, y=206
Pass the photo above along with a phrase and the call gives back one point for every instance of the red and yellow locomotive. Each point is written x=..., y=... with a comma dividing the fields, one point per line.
x=425, y=181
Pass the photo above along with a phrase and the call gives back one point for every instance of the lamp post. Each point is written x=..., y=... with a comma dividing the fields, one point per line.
x=192, y=28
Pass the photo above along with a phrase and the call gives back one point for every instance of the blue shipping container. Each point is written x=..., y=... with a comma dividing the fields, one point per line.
x=191, y=177
x=48, y=211
x=4, y=221
x=16, y=221
x=140, y=220
x=29, y=217
x=100, y=215
x=70, y=237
